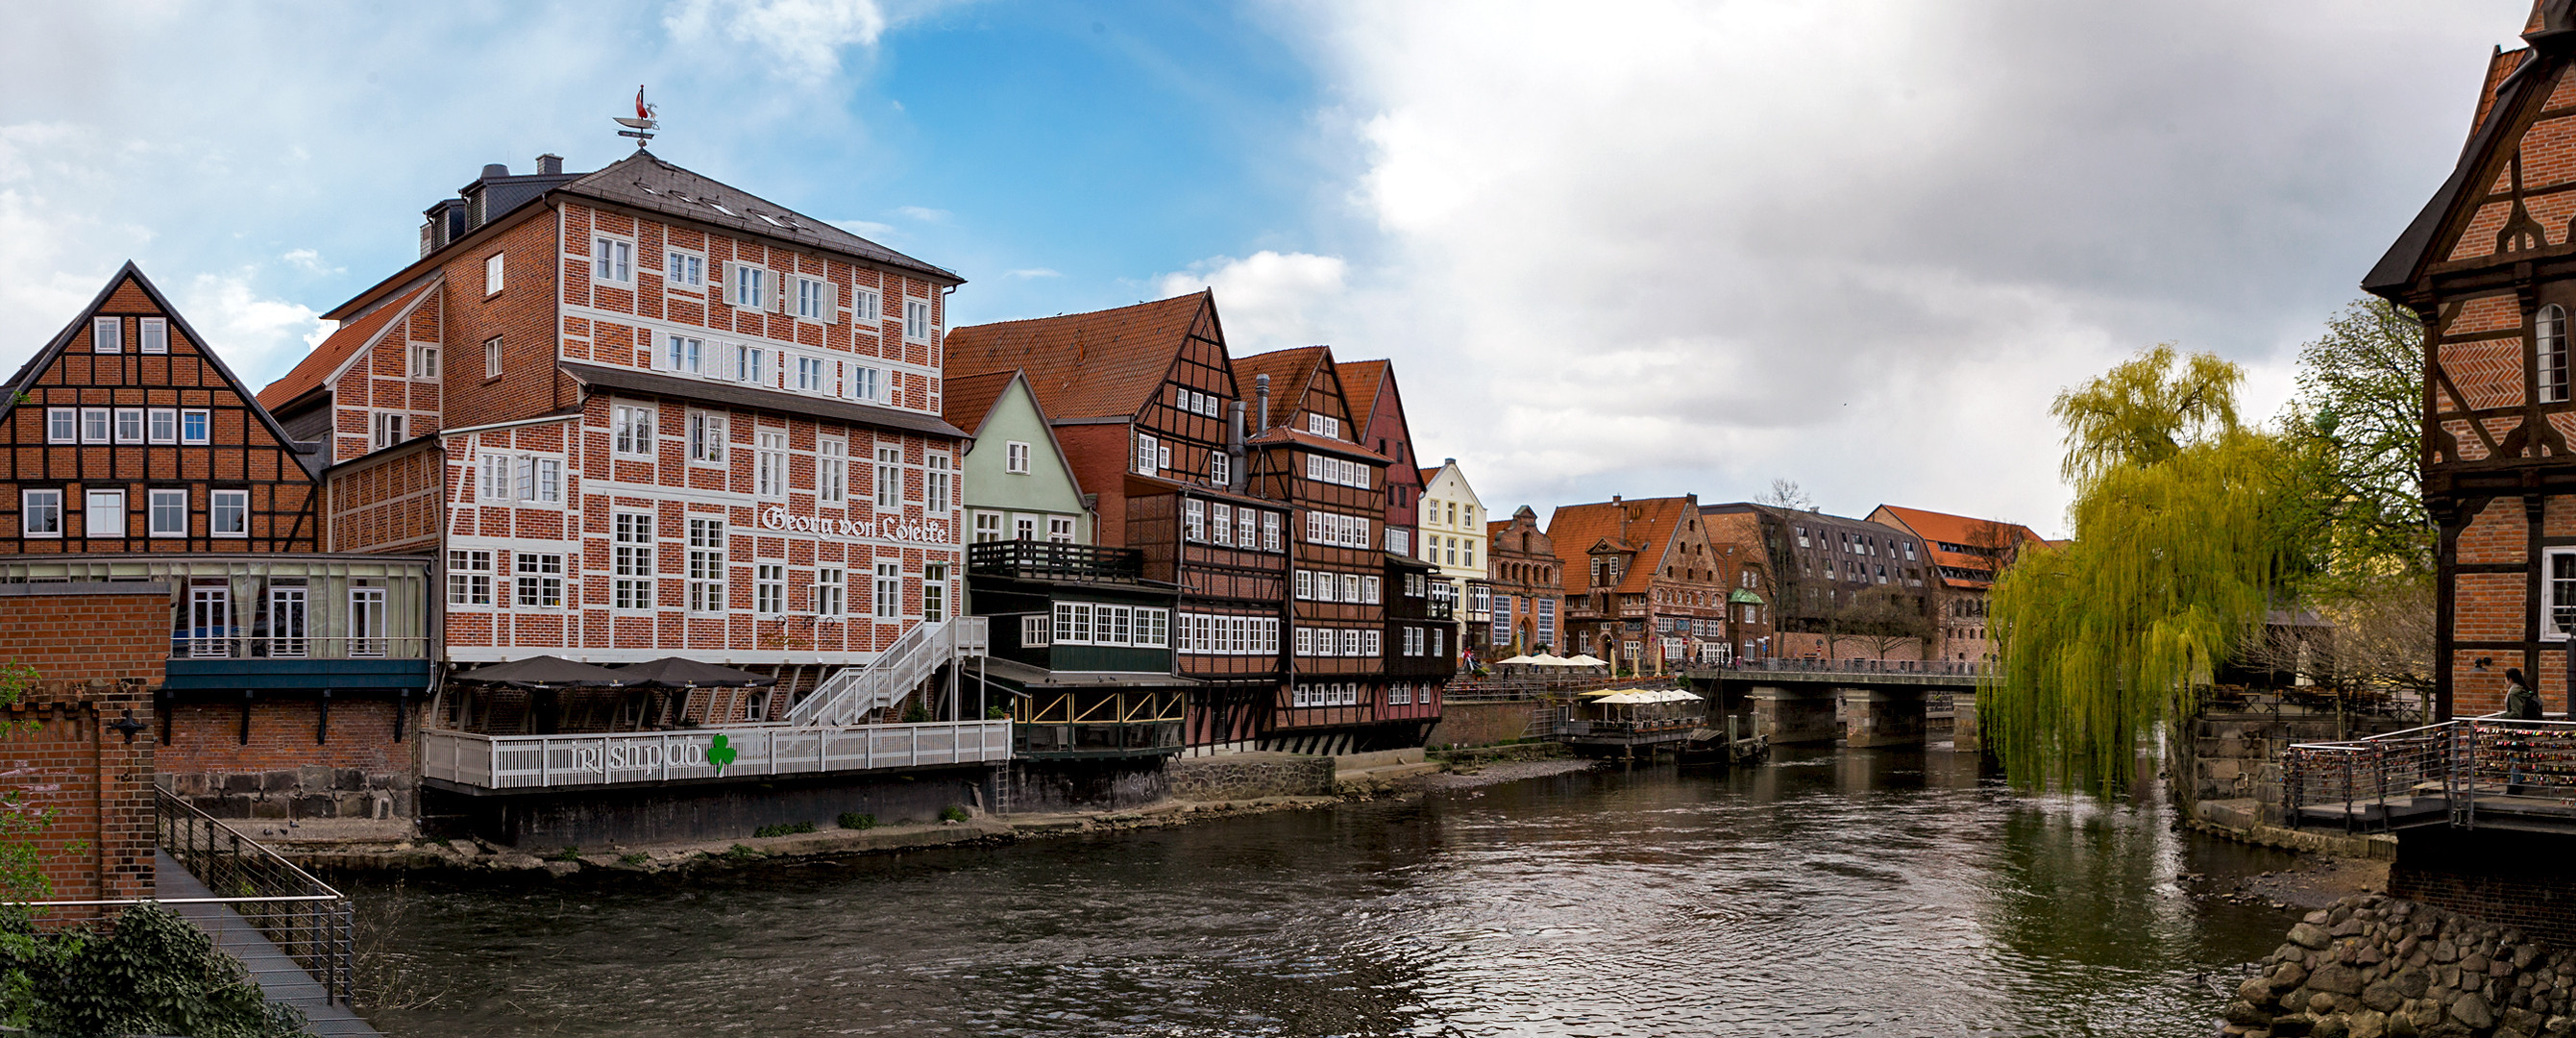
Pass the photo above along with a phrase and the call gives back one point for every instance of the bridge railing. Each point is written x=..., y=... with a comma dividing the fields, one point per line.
x=1935, y=668
x=2448, y=768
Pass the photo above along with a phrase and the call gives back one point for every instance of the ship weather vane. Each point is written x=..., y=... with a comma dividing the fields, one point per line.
x=641, y=126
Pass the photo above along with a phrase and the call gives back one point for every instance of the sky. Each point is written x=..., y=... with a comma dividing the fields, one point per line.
x=1621, y=248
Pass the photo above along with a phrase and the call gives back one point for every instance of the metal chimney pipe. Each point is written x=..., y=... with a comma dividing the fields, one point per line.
x=1261, y=388
x=1235, y=476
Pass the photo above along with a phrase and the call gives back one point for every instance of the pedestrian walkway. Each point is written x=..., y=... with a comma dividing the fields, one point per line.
x=277, y=975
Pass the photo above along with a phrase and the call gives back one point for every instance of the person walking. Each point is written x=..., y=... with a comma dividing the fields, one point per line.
x=2520, y=702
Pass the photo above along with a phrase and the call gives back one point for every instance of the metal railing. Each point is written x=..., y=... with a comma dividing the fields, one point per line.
x=609, y=758
x=2446, y=769
x=237, y=643
x=1055, y=560
x=850, y=693
x=1936, y=668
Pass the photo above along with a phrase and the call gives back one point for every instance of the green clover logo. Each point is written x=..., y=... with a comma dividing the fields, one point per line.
x=720, y=754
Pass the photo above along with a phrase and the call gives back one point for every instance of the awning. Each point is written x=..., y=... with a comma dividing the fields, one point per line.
x=682, y=672
x=1743, y=597
x=1643, y=696
x=1586, y=660
x=544, y=672
x=1521, y=659
x=1027, y=676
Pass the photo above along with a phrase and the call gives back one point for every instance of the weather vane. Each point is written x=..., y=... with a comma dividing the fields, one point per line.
x=641, y=126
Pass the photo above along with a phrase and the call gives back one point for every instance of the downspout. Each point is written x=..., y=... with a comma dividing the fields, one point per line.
x=1236, y=476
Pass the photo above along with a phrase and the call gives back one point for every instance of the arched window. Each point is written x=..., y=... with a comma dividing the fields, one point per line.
x=2550, y=341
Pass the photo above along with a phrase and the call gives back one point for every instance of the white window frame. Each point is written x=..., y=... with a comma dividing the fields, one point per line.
x=423, y=362
x=1148, y=454
x=706, y=559
x=95, y=503
x=889, y=476
x=633, y=431
x=817, y=300
x=107, y=335
x=769, y=589
x=152, y=335
x=97, y=424
x=708, y=435
x=537, y=580
x=496, y=270
x=813, y=375
x=916, y=320
x=988, y=527
x=937, y=485
x=1060, y=529
x=681, y=267
x=831, y=470
x=41, y=501
x=157, y=503
x=886, y=602
x=867, y=309
x=122, y=432
x=218, y=502
x=62, y=425
x=2557, y=591
x=1036, y=631
x=492, y=357
x=469, y=577
x=769, y=463
x=830, y=587
x=684, y=353
x=863, y=382
x=1015, y=458
x=746, y=286
x=632, y=587
x=747, y=363
x=612, y=260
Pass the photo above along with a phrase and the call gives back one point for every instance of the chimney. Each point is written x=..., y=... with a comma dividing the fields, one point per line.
x=550, y=165
x=1235, y=476
x=1446, y=462
x=1614, y=499
x=495, y=170
x=1261, y=388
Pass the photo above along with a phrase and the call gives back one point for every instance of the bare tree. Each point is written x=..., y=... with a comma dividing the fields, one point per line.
x=2362, y=647
x=1882, y=618
x=1785, y=494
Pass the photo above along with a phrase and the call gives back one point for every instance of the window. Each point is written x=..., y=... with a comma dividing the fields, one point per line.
x=424, y=360
x=384, y=430
x=815, y=299
x=492, y=271
x=934, y=592
x=865, y=383
x=492, y=357
x=1371, y=645
x=40, y=513
x=813, y=375
x=286, y=619
x=612, y=260
x=1469, y=553
x=62, y=425
x=169, y=513
x=107, y=335
x=366, y=621
x=827, y=592
x=706, y=565
x=1060, y=529
x=1351, y=588
x=889, y=596
x=1148, y=454
x=493, y=485
x=750, y=286
x=831, y=471
x=1015, y=458
x=540, y=579
x=229, y=515
x=1220, y=468
x=94, y=425
x=769, y=589
x=747, y=363
x=1270, y=531
x=1399, y=541
x=469, y=577
x=1221, y=524
x=1194, y=519
x=1073, y=623
x=103, y=513
x=631, y=429
x=938, y=483
x=631, y=561
x=129, y=425
x=769, y=463
x=155, y=334
x=2550, y=340
x=889, y=477
x=988, y=527
x=1243, y=528
x=707, y=437
x=684, y=269
x=1305, y=584
x=868, y=308
x=539, y=479
x=1153, y=628
x=1322, y=425
x=1033, y=631
x=916, y=320
x=1024, y=527
x=1369, y=590
x=684, y=353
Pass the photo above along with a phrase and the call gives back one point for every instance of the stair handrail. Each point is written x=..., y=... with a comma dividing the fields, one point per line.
x=843, y=684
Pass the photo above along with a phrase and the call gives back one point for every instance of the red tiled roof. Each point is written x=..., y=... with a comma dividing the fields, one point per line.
x=1104, y=364
x=2499, y=65
x=1427, y=475
x=335, y=351
x=1292, y=373
x=1643, y=526
x=1361, y=381
x=1743, y=528
x=965, y=400
x=1938, y=527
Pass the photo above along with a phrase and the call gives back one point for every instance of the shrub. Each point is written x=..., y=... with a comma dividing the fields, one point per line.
x=741, y=852
x=635, y=858
x=995, y=713
x=156, y=974
x=783, y=829
x=952, y=813
x=855, y=820
x=916, y=714
x=568, y=854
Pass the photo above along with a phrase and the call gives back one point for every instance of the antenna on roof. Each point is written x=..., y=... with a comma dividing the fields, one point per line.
x=641, y=126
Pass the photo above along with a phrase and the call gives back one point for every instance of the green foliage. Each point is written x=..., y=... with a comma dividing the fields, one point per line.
x=915, y=713
x=855, y=820
x=952, y=813
x=2356, y=427
x=634, y=858
x=155, y=974
x=741, y=852
x=783, y=829
x=2185, y=520
x=995, y=713
x=22, y=876
x=567, y=854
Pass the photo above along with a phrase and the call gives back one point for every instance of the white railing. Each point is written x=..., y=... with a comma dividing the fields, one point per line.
x=238, y=644
x=532, y=761
x=850, y=693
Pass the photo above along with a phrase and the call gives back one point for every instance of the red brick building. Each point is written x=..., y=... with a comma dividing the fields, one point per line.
x=1528, y=588
x=1965, y=554
x=1643, y=587
x=1383, y=429
x=2486, y=265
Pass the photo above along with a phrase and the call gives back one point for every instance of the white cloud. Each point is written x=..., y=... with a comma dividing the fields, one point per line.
x=806, y=36
x=923, y=214
x=310, y=262
x=251, y=332
x=1270, y=300
x=1674, y=247
x=1032, y=272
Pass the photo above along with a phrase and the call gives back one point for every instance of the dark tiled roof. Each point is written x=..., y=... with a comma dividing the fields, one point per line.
x=965, y=400
x=335, y=351
x=760, y=399
x=643, y=181
x=1103, y=364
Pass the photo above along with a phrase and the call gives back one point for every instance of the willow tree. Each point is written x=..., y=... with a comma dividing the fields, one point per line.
x=2181, y=517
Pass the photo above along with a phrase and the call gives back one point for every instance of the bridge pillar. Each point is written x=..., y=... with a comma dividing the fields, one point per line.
x=1789, y=715
x=1883, y=717
x=1963, y=731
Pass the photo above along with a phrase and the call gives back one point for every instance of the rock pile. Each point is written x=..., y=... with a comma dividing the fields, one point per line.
x=2373, y=965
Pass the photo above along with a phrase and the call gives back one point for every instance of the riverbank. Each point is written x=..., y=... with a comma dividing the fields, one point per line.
x=2327, y=867
x=380, y=847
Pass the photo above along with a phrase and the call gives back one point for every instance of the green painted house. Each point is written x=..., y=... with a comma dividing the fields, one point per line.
x=1018, y=485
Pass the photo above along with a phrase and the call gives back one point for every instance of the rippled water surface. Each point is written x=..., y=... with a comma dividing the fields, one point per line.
x=1850, y=892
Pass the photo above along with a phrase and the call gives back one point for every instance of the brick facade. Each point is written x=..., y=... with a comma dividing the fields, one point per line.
x=98, y=650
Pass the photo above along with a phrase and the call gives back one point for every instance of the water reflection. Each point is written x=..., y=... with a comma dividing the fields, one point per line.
x=1875, y=891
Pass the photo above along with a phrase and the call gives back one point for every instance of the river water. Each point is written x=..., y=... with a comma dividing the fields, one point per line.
x=1894, y=892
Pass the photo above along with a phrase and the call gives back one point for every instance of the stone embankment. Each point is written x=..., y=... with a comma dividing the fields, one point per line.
x=2373, y=965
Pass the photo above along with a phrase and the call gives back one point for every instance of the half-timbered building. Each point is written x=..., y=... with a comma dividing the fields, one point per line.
x=130, y=453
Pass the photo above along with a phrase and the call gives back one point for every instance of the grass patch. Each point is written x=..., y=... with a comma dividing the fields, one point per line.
x=568, y=854
x=741, y=852
x=855, y=820
x=783, y=829
x=952, y=813
x=636, y=858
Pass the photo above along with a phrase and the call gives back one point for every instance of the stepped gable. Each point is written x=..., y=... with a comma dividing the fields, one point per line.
x=353, y=337
x=1103, y=364
x=1626, y=526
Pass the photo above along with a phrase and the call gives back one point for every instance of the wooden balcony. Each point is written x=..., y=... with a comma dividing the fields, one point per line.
x=1055, y=562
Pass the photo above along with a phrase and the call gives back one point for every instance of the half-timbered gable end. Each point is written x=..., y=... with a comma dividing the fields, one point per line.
x=127, y=434
x=2489, y=267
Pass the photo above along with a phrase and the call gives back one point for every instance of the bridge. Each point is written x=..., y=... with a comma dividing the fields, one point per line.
x=2464, y=773
x=1860, y=702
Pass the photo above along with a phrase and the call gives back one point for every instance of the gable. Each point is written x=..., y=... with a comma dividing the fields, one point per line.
x=1104, y=364
x=2512, y=196
x=1049, y=485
